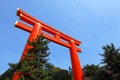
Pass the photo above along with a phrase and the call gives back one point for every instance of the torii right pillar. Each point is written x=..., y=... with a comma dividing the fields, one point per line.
x=76, y=68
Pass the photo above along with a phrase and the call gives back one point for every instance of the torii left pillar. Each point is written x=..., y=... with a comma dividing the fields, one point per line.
x=57, y=37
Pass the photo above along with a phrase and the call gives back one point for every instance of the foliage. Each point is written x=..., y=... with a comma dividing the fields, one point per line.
x=91, y=71
x=7, y=75
x=60, y=75
x=70, y=73
x=109, y=70
x=103, y=74
x=33, y=65
x=111, y=60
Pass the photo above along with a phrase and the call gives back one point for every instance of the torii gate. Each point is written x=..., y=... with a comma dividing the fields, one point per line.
x=51, y=34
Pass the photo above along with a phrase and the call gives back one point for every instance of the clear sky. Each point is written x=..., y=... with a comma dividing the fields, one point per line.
x=94, y=22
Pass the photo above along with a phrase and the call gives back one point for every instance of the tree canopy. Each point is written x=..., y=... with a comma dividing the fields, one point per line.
x=110, y=65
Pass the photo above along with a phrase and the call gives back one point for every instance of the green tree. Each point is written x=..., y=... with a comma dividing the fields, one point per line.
x=90, y=71
x=49, y=70
x=33, y=65
x=61, y=75
x=70, y=73
x=22, y=77
x=111, y=60
x=103, y=74
x=7, y=74
x=7, y=79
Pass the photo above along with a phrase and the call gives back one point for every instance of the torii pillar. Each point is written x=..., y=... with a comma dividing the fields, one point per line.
x=37, y=28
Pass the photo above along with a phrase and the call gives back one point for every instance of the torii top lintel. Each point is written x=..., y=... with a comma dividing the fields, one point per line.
x=49, y=32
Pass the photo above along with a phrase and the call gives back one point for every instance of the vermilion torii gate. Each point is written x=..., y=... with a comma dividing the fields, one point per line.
x=37, y=28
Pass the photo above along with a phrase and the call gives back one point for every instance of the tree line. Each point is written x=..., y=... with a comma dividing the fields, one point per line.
x=110, y=69
x=35, y=65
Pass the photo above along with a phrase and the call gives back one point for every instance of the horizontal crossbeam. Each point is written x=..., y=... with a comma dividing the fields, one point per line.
x=49, y=32
x=31, y=20
x=29, y=29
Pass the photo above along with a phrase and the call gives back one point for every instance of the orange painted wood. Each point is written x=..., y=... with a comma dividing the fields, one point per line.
x=32, y=20
x=36, y=27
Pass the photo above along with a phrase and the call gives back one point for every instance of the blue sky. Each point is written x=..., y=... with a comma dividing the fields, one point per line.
x=94, y=22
